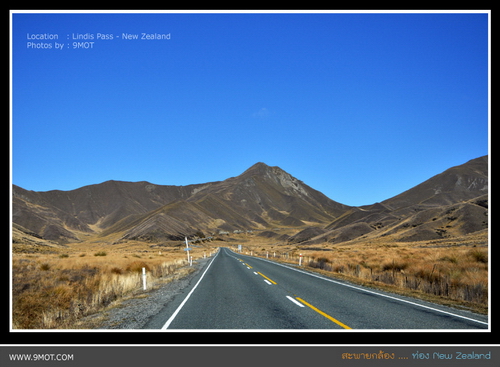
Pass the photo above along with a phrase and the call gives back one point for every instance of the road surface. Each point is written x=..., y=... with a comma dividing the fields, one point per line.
x=234, y=291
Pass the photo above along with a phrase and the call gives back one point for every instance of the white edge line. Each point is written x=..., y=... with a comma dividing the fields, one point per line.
x=379, y=294
x=295, y=301
x=169, y=321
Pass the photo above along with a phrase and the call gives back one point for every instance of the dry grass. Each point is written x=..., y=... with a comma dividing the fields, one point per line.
x=460, y=274
x=55, y=290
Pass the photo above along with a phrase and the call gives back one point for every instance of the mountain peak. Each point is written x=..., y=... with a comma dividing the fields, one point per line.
x=261, y=168
x=258, y=167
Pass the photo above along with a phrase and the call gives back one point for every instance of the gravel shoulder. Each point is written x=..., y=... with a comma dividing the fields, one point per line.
x=135, y=311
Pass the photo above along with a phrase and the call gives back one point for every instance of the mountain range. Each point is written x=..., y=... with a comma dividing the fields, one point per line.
x=452, y=203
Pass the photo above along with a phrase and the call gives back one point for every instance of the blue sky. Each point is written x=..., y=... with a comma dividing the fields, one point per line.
x=358, y=106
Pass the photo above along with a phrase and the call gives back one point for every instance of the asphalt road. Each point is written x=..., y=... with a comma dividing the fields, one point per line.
x=234, y=291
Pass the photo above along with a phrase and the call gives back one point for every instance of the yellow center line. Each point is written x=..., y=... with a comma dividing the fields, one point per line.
x=272, y=281
x=248, y=265
x=323, y=314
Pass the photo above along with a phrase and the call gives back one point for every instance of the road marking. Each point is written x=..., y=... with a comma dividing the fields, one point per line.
x=255, y=273
x=169, y=321
x=324, y=314
x=272, y=281
x=268, y=282
x=378, y=294
x=294, y=301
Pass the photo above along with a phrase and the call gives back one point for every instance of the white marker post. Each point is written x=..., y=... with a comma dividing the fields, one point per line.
x=144, y=278
x=187, y=248
x=300, y=259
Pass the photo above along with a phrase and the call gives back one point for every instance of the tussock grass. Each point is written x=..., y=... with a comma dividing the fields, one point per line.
x=459, y=274
x=52, y=291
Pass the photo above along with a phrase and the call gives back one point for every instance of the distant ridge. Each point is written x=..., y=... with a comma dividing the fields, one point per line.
x=259, y=197
x=262, y=197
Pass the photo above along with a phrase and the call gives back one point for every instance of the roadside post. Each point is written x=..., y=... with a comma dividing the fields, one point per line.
x=300, y=259
x=144, y=278
x=190, y=261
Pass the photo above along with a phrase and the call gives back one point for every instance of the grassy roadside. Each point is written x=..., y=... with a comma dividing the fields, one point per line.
x=54, y=289
x=452, y=273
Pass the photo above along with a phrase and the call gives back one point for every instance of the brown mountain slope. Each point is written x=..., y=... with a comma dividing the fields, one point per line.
x=456, y=184
x=263, y=190
x=60, y=215
x=451, y=203
x=443, y=221
x=261, y=196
